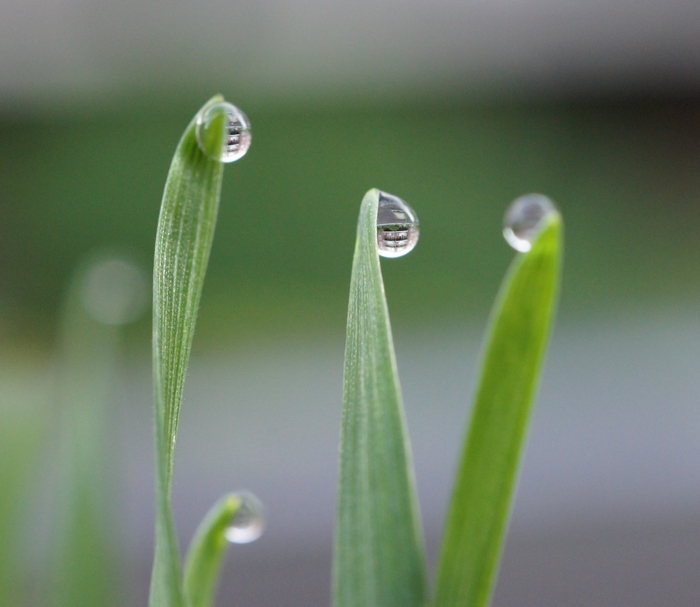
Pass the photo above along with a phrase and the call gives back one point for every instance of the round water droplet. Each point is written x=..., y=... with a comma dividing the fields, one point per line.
x=397, y=226
x=248, y=523
x=114, y=291
x=223, y=132
x=523, y=220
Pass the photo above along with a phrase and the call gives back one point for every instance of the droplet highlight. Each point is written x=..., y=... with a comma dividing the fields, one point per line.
x=235, y=140
x=524, y=218
x=114, y=291
x=397, y=226
x=248, y=523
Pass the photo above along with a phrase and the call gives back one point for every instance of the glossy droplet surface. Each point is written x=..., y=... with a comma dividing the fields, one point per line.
x=397, y=226
x=233, y=142
x=248, y=523
x=114, y=291
x=524, y=218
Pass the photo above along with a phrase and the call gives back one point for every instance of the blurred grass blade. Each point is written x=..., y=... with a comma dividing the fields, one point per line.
x=207, y=551
x=85, y=557
x=183, y=242
x=23, y=434
x=378, y=558
x=480, y=506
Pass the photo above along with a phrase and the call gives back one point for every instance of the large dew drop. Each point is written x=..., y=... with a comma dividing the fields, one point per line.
x=236, y=134
x=524, y=218
x=248, y=523
x=397, y=226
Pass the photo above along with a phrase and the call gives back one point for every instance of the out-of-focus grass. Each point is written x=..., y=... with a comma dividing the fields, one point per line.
x=512, y=357
x=20, y=440
x=625, y=175
x=26, y=383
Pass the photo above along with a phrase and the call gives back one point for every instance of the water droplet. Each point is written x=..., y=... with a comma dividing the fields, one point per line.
x=248, y=523
x=236, y=132
x=523, y=220
x=114, y=291
x=397, y=226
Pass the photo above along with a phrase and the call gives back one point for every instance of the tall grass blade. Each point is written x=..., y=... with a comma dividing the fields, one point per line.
x=480, y=506
x=85, y=556
x=207, y=551
x=22, y=435
x=378, y=558
x=183, y=242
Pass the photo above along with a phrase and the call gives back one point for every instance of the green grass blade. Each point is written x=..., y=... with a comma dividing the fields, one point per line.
x=207, y=551
x=480, y=506
x=378, y=560
x=183, y=242
x=23, y=434
x=85, y=556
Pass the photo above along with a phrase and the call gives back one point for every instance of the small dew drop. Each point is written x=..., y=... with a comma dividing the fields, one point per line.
x=114, y=291
x=248, y=523
x=523, y=219
x=397, y=226
x=236, y=136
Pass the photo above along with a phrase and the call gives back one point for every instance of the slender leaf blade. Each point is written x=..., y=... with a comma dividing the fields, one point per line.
x=207, y=551
x=85, y=557
x=23, y=435
x=481, y=501
x=183, y=242
x=378, y=560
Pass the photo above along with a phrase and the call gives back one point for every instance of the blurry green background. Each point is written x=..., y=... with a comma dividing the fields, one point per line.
x=624, y=172
x=456, y=109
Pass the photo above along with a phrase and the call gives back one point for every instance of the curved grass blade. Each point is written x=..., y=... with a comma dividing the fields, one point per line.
x=480, y=506
x=183, y=242
x=378, y=560
x=207, y=551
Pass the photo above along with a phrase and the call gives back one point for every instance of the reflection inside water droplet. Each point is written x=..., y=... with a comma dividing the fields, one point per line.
x=248, y=523
x=114, y=291
x=236, y=135
x=523, y=220
x=397, y=226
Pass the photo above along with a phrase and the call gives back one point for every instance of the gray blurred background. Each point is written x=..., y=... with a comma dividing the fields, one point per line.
x=456, y=107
